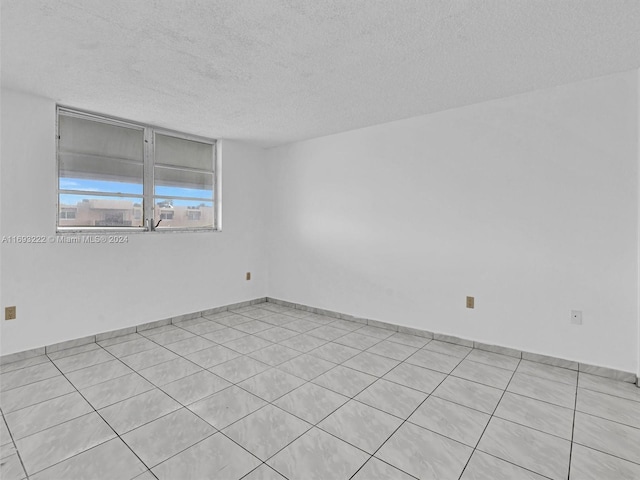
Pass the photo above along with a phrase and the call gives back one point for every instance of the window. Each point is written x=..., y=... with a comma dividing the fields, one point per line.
x=114, y=174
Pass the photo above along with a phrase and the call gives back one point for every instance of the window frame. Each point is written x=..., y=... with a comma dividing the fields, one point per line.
x=148, y=184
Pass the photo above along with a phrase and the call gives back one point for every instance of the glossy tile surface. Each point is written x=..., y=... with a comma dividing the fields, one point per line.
x=313, y=396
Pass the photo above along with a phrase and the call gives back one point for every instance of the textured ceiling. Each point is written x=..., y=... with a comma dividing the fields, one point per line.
x=276, y=71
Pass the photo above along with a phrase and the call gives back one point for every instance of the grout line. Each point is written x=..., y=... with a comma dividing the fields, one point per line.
x=489, y=421
x=573, y=426
x=15, y=446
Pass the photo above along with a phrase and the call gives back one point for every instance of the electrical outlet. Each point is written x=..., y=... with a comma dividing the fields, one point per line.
x=248, y=275
x=471, y=301
x=576, y=317
x=10, y=313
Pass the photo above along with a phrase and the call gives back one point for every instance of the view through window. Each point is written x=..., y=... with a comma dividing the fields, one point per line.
x=119, y=175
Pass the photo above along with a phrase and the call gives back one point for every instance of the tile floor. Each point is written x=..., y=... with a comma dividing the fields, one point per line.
x=267, y=392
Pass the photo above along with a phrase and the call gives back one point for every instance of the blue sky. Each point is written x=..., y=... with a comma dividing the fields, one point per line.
x=127, y=188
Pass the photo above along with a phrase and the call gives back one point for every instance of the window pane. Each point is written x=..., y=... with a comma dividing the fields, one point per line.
x=81, y=172
x=99, y=211
x=183, y=213
x=183, y=153
x=183, y=183
x=81, y=135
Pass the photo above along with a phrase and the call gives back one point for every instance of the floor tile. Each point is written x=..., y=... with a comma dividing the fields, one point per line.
x=306, y=367
x=318, y=456
x=415, y=377
x=149, y=358
x=149, y=332
x=452, y=349
x=212, y=356
x=120, y=339
x=434, y=361
x=115, y=390
x=5, y=436
x=227, y=406
x=361, y=425
x=543, y=416
x=146, y=476
x=311, y=402
x=393, y=350
x=380, y=333
x=108, y=461
x=224, y=335
x=357, y=340
x=274, y=355
x=470, y=394
x=264, y=472
x=345, y=381
x=607, y=406
x=392, y=398
x=27, y=362
x=170, y=371
x=588, y=464
x=190, y=345
x=73, y=351
x=271, y=384
x=170, y=337
x=557, y=374
x=135, y=411
x=376, y=469
x=609, y=386
x=481, y=373
x=411, y=340
x=276, y=334
x=493, y=359
x=58, y=443
x=327, y=332
x=542, y=389
x=333, y=352
x=11, y=468
x=158, y=440
x=214, y=457
x=190, y=322
x=41, y=416
x=425, y=454
x=102, y=372
x=204, y=327
x=278, y=319
x=451, y=420
x=239, y=369
x=82, y=360
x=346, y=325
x=25, y=396
x=214, y=317
x=483, y=466
x=607, y=436
x=253, y=326
x=232, y=319
x=27, y=375
x=528, y=448
x=257, y=313
x=303, y=343
x=371, y=363
x=247, y=344
x=195, y=387
x=266, y=431
x=301, y=326
x=129, y=348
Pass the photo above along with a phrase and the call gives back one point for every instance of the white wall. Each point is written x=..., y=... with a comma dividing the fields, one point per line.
x=69, y=291
x=528, y=203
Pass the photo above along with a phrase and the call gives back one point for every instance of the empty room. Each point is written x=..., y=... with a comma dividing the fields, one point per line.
x=320, y=240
